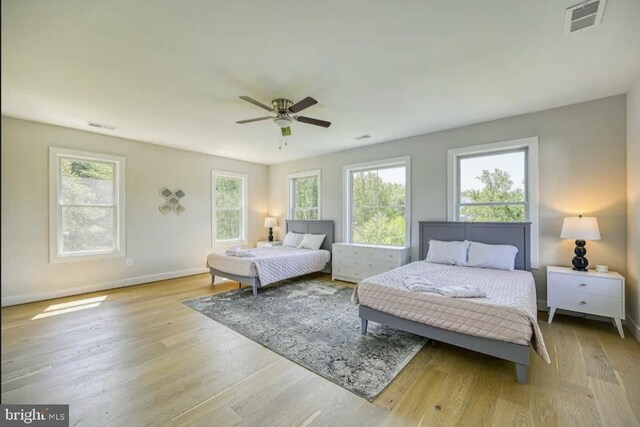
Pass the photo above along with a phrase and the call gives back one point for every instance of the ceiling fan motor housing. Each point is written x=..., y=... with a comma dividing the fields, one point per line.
x=281, y=105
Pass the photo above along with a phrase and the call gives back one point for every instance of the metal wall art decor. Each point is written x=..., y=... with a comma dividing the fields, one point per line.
x=172, y=201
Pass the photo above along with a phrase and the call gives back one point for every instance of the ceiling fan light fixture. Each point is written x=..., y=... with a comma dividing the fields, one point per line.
x=282, y=122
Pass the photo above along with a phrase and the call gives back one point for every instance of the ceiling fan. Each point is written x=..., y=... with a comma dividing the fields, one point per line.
x=285, y=111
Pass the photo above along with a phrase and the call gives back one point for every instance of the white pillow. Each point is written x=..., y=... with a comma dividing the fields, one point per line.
x=452, y=253
x=500, y=257
x=312, y=241
x=292, y=239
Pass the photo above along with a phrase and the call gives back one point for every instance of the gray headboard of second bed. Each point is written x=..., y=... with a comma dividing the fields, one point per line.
x=517, y=234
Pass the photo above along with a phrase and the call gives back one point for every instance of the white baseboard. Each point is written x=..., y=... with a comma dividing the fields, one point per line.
x=22, y=299
x=633, y=328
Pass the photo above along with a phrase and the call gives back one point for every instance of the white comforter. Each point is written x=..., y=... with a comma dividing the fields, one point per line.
x=508, y=313
x=272, y=264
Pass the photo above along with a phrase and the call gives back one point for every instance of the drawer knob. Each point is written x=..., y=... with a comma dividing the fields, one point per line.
x=583, y=284
x=583, y=302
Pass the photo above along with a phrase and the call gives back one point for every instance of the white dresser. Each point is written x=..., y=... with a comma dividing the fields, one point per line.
x=352, y=262
x=587, y=292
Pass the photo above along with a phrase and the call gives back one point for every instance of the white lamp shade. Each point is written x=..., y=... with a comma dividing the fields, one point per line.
x=270, y=222
x=580, y=228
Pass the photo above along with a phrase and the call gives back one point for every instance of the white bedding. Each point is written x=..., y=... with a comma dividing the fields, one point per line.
x=272, y=264
x=508, y=313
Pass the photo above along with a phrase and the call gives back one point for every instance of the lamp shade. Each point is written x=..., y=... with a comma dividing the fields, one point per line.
x=580, y=228
x=270, y=222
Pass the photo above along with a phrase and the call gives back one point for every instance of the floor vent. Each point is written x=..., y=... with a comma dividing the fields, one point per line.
x=584, y=15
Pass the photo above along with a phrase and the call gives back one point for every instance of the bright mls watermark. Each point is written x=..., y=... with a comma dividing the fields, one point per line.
x=34, y=415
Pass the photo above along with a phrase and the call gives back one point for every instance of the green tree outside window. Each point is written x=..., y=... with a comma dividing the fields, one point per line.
x=506, y=204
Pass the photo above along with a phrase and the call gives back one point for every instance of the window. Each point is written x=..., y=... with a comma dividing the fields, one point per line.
x=377, y=202
x=87, y=205
x=229, y=195
x=496, y=183
x=492, y=187
x=304, y=195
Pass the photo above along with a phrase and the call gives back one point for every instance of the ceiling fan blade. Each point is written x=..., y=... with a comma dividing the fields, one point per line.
x=253, y=120
x=301, y=105
x=257, y=103
x=311, y=121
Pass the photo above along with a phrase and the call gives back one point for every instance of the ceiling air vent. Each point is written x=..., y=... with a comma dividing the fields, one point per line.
x=584, y=15
x=361, y=137
x=101, y=125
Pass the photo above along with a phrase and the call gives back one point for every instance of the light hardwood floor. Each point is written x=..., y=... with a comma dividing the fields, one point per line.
x=141, y=357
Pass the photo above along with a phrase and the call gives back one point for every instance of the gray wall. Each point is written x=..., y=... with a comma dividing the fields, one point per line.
x=581, y=166
x=633, y=208
x=160, y=246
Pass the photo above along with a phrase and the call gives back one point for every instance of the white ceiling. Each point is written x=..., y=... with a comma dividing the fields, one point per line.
x=170, y=72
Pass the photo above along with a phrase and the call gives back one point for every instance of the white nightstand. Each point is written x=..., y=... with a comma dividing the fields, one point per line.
x=268, y=244
x=588, y=292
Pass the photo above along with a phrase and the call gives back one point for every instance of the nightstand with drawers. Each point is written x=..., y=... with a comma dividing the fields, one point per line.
x=353, y=262
x=586, y=292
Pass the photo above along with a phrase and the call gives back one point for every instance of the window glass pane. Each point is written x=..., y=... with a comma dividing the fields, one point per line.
x=378, y=206
x=228, y=192
x=392, y=226
x=306, y=214
x=493, y=178
x=364, y=227
x=87, y=228
x=365, y=188
x=86, y=182
x=228, y=224
x=306, y=192
x=501, y=213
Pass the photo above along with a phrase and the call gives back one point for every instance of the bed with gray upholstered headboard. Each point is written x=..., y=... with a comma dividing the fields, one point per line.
x=314, y=227
x=290, y=263
x=516, y=234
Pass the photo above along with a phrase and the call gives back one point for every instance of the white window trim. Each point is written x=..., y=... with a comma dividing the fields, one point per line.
x=245, y=198
x=306, y=174
x=531, y=144
x=55, y=217
x=346, y=185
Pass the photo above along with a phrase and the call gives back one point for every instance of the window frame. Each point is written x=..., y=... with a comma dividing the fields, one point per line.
x=244, y=223
x=347, y=176
x=530, y=144
x=56, y=254
x=291, y=203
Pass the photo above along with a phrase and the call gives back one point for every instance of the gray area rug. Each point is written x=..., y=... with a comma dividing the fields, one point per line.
x=314, y=324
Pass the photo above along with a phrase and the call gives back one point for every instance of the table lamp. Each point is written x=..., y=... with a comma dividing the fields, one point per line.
x=580, y=228
x=270, y=223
